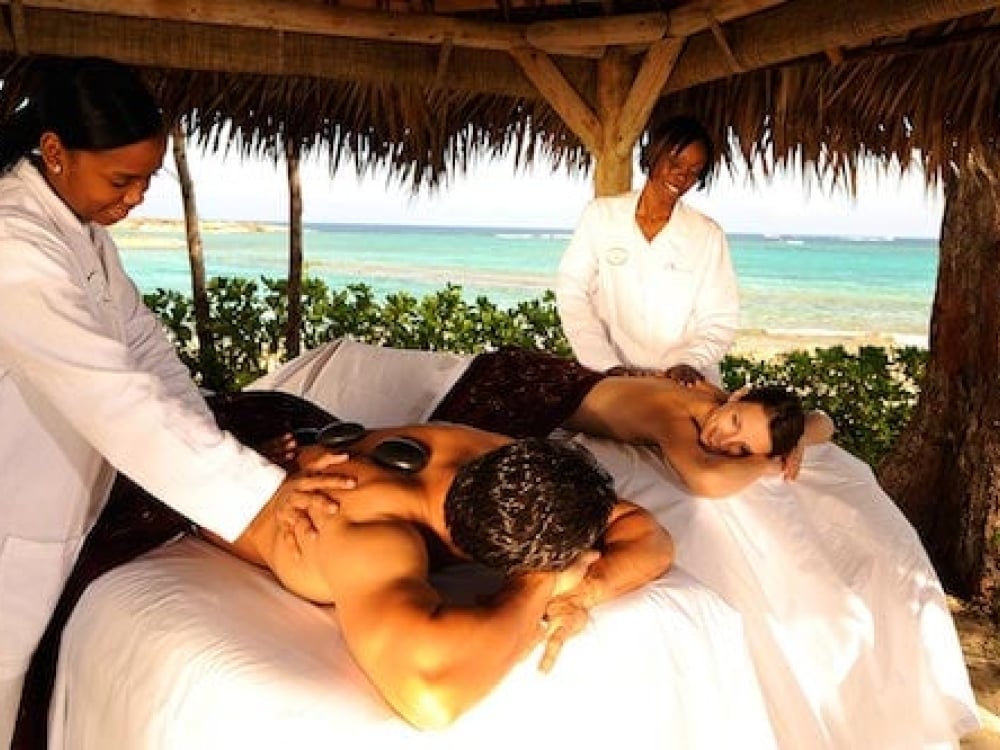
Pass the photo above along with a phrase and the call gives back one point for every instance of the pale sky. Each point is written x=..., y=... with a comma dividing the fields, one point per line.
x=493, y=195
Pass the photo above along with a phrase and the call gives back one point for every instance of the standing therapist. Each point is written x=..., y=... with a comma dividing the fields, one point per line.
x=647, y=283
x=89, y=383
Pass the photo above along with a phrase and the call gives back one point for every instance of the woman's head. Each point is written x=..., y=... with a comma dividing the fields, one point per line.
x=768, y=421
x=678, y=154
x=530, y=505
x=98, y=135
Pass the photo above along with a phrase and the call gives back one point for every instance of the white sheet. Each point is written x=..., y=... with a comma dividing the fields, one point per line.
x=189, y=648
x=849, y=627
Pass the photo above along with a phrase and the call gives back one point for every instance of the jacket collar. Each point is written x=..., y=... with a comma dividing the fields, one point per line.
x=68, y=223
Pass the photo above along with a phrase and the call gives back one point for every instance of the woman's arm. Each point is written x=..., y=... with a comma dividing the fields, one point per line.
x=716, y=313
x=819, y=427
x=655, y=411
x=578, y=269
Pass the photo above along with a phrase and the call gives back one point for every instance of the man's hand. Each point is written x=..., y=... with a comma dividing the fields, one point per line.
x=684, y=374
x=568, y=611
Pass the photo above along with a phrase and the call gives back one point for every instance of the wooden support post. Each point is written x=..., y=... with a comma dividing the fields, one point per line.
x=613, y=171
x=18, y=29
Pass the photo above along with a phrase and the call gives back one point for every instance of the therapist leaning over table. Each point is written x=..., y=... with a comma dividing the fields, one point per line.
x=89, y=382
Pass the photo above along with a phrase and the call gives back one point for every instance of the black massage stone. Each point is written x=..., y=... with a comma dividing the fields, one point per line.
x=340, y=434
x=305, y=435
x=399, y=453
x=402, y=454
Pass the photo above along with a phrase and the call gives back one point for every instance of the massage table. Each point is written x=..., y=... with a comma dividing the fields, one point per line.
x=801, y=613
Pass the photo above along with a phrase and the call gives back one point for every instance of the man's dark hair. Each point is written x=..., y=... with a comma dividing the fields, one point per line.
x=786, y=417
x=534, y=504
x=673, y=135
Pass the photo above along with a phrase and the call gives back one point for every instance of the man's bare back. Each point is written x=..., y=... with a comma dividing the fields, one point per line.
x=387, y=504
x=432, y=659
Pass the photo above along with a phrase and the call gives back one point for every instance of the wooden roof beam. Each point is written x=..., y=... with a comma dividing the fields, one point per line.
x=18, y=29
x=587, y=36
x=640, y=28
x=162, y=44
x=809, y=27
x=648, y=85
x=561, y=96
x=610, y=31
x=303, y=17
x=444, y=57
x=724, y=48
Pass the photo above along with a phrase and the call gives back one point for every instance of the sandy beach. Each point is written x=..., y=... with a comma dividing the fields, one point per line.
x=760, y=344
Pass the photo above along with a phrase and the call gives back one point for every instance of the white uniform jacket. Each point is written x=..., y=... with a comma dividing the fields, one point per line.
x=89, y=381
x=626, y=301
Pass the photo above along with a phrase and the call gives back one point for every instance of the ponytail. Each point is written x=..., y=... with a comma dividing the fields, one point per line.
x=92, y=104
x=19, y=135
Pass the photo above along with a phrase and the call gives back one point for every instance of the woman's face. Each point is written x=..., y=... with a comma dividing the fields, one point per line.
x=103, y=186
x=677, y=172
x=737, y=428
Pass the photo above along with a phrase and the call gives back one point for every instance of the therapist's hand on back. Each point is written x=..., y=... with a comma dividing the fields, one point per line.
x=307, y=498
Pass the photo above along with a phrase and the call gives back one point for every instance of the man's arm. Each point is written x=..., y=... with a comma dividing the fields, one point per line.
x=429, y=659
x=635, y=549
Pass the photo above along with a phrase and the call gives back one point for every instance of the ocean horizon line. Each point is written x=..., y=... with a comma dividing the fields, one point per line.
x=221, y=224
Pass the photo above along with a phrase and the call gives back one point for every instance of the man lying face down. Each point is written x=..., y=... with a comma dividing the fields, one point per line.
x=541, y=512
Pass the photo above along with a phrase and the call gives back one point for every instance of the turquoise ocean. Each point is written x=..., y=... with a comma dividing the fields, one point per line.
x=789, y=284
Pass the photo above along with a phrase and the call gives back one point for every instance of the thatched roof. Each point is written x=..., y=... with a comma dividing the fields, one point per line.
x=426, y=85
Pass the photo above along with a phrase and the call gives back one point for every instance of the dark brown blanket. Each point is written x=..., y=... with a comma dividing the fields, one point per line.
x=517, y=392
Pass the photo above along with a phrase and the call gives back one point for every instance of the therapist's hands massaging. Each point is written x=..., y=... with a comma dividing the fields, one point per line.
x=88, y=380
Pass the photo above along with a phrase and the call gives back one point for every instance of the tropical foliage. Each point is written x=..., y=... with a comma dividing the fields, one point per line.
x=870, y=394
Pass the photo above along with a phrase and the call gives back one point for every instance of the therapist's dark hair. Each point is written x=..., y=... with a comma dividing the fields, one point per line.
x=671, y=136
x=92, y=104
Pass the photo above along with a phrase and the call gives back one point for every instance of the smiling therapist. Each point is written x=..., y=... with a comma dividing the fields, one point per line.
x=89, y=382
x=646, y=285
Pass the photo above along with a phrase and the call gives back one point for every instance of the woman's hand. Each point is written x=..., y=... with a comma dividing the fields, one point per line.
x=281, y=450
x=684, y=374
x=792, y=463
x=307, y=499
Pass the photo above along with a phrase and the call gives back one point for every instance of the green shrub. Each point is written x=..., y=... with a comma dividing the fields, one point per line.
x=870, y=394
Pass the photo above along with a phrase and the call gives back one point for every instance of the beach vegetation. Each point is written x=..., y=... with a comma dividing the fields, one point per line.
x=869, y=393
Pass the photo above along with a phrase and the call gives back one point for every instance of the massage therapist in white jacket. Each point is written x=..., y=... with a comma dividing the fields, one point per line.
x=89, y=382
x=646, y=283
